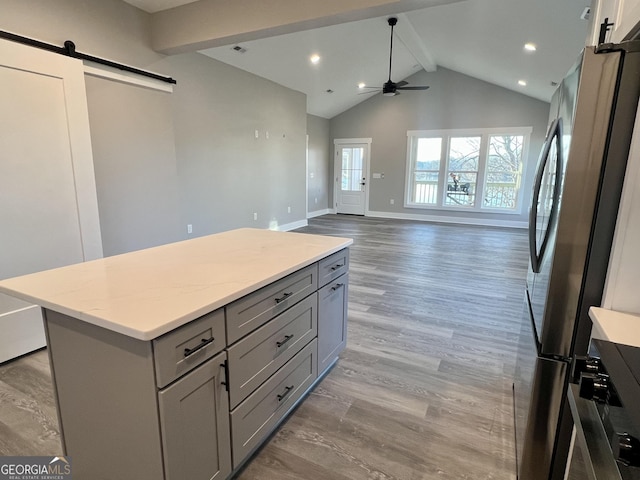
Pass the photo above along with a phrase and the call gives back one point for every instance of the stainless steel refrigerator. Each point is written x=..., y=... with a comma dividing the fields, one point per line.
x=573, y=213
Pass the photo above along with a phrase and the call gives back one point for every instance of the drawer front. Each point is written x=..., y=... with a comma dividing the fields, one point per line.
x=256, y=357
x=257, y=416
x=256, y=309
x=185, y=348
x=332, y=267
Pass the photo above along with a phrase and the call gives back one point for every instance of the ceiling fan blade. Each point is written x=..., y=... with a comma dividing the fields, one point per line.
x=402, y=83
x=412, y=88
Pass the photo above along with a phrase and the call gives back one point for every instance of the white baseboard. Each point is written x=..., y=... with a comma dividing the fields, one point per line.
x=444, y=219
x=317, y=213
x=292, y=226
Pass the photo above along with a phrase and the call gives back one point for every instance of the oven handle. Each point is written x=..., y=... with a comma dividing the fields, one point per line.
x=591, y=438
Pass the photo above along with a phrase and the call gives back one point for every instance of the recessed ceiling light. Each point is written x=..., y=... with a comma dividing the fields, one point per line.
x=522, y=83
x=530, y=47
x=315, y=58
x=361, y=85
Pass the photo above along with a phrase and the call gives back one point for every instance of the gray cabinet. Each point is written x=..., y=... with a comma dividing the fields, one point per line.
x=194, y=418
x=332, y=321
x=196, y=402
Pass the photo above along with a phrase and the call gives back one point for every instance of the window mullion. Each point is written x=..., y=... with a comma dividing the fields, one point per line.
x=444, y=162
x=482, y=168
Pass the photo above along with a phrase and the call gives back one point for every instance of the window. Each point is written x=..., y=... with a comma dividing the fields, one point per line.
x=479, y=169
x=352, y=168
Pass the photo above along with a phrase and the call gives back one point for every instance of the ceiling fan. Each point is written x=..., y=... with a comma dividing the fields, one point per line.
x=391, y=88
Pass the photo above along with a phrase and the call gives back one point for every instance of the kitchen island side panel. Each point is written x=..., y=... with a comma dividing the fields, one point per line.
x=97, y=372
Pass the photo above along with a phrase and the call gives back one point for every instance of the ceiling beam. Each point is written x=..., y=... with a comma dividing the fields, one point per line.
x=213, y=23
x=410, y=38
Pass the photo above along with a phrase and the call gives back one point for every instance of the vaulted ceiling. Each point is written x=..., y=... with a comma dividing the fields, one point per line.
x=481, y=38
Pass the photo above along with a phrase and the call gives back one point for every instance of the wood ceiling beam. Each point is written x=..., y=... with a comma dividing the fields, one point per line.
x=410, y=38
x=213, y=23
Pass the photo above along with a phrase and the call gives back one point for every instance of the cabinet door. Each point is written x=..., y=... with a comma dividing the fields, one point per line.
x=194, y=417
x=332, y=321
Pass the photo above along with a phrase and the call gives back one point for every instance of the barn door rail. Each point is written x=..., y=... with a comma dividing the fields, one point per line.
x=69, y=50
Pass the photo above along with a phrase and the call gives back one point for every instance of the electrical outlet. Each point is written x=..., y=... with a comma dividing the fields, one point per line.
x=255, y=215
x=392, y=201
x=189, y=228
x=257, y=134
x=267, y=135
x=316, y=199
x=288, y=209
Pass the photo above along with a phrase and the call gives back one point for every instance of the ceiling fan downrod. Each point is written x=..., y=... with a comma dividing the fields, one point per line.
x=392, y=23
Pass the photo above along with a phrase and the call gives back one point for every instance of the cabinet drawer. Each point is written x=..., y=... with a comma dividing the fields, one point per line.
x=254, y=310
x=256, y=357
x=183, y=349
x=332, y=267
x=258, y=415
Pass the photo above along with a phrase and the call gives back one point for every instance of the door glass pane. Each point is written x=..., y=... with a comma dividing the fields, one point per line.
x=462, y=171
x=504, y=170
x=352, y=158
x=426, y=170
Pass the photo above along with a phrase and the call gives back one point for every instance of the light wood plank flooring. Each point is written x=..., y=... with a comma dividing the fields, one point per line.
x=423, y=390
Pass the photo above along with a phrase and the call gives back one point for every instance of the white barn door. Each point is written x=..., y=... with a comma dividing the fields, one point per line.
x=48, y=204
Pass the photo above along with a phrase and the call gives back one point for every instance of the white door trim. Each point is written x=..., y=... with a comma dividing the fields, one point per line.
x=366, y=142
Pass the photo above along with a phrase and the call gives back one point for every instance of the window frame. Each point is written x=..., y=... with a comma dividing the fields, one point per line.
x=446, y=135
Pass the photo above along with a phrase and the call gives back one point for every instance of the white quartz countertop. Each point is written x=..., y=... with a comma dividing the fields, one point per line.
x=615, y=326
x=147, y=293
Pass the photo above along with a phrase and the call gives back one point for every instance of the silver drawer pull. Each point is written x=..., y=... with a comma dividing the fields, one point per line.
x=286, y=339
x=203, y=343
x=283, y=297
x=286, y=393
x=337, y=286
x=335, y=267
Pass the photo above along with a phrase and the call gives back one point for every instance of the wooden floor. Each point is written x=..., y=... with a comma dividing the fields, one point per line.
x=423, y=390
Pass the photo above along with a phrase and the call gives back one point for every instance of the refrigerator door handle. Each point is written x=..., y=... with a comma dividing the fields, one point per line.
x=555, y=134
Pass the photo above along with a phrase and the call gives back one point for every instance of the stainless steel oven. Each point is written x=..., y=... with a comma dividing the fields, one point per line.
x=605, y=406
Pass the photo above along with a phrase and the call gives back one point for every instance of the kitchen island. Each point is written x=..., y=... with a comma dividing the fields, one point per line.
x=177, y=362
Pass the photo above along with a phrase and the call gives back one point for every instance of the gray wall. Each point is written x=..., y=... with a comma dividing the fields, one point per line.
x=191, y=157
x=453, y=101
x=135, y=165
x=320, y=156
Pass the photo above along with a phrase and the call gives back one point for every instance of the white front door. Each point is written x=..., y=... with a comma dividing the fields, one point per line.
x=48, y=204
x=351, y=178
